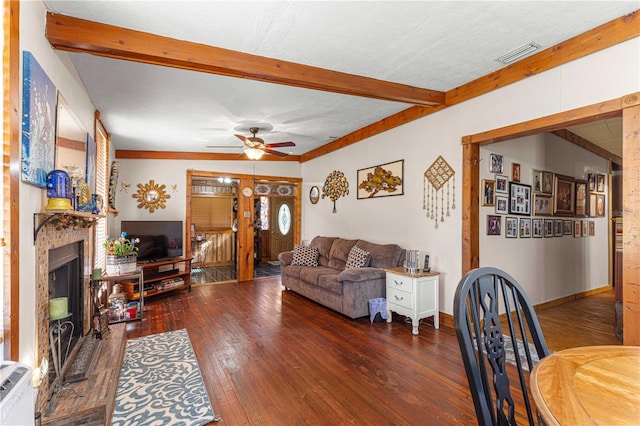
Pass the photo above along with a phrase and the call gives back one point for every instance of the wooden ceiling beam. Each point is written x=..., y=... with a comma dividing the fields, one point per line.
x=79, y=35
x=588, y=145
x=380, y=126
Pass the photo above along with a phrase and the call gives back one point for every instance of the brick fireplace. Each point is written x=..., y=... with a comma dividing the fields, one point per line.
x=52, y=239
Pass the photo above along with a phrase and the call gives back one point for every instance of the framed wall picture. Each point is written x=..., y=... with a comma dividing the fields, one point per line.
x=542, y=182
x=547, y=183
x=502, y=184
x=502, y=204
x=542, y=205
x=381, y=181
x=494, y=225
x=564, y=190
x=557, y=227
x=515, y=172
x=511, y=227
x=592, y=228
x=600, y=178
x=537, y=225
x=593, y=198
x=519, y=199
x=488, y=191
x=536, y=181
x=567, y=227
x=591, y=179
x=581, y=198
x=585, y=228
x=548, y=228
x=525, y=228
x=495, y=163
x=577, y=229
x=600, y=207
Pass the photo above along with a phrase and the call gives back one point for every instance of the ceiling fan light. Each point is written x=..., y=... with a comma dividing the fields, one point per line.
x=254, y=153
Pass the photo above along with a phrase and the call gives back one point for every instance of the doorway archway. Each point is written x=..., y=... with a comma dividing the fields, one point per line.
x=627, y=107
x=244, y=225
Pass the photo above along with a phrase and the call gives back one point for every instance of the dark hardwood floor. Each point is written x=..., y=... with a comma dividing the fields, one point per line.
x=272, y=357
x=583, y=322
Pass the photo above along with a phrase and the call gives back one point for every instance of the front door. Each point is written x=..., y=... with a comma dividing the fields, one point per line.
x=281, y=223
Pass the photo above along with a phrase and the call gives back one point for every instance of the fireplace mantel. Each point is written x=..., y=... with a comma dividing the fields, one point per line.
x=63, y=220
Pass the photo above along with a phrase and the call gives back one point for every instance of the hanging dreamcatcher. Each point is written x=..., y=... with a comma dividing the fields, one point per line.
x=435, y=177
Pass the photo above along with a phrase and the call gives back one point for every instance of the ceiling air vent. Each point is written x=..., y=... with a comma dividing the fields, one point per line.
x=518, y=53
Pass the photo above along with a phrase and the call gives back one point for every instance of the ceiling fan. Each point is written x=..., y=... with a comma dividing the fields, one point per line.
x=255, y=147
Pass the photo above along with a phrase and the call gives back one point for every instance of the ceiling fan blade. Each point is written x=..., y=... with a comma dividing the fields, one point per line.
x=279, y=144
x=246, y=141
x=276, y=153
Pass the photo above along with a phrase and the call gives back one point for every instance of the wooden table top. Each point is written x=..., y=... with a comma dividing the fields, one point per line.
x=402, y=271
x=591, y=385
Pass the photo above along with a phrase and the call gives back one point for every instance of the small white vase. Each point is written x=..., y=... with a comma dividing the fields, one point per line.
x=120, y=265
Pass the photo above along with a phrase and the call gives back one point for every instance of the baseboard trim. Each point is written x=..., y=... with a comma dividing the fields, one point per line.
x=446, y=320
x=572, y=297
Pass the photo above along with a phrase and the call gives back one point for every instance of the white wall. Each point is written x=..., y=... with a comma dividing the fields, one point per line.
x=599, y=77
x=62, y=74
x=549, y=268
x=169, y=173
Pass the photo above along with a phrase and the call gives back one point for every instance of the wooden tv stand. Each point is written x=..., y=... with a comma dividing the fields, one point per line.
x=160, y=277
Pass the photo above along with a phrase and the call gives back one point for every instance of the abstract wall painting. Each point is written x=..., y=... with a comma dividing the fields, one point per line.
x=38, y=122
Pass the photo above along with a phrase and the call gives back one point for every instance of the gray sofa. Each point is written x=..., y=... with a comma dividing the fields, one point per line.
x=344, y=290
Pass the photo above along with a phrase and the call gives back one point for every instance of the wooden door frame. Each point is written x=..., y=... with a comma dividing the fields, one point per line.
x=627, y=107
x=245, y=224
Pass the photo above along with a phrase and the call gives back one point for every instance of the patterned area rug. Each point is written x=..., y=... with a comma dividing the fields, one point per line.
x=161, y=384
x=510, y=354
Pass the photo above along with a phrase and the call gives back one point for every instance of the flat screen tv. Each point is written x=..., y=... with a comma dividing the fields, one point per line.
x=159, y=240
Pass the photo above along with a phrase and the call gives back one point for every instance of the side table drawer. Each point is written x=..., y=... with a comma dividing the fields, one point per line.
x=399, y=297
x=399, y=282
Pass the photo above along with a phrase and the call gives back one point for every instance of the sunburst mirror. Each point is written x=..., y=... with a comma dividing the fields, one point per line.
x=151, y=196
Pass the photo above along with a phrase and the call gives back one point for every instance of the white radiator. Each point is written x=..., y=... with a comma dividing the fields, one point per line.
x=16, y=395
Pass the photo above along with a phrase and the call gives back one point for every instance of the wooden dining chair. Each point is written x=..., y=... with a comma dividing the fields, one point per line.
x=481, y=296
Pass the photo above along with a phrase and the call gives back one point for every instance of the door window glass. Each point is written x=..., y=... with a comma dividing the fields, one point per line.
x=284, y=219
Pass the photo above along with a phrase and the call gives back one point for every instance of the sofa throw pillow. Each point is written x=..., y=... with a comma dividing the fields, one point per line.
x=304, y=256
x=357, y=258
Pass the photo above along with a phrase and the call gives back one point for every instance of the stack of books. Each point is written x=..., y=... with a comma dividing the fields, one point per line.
x=169, y=283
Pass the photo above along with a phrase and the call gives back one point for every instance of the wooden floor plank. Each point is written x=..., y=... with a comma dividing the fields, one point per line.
x=271, y=357
x=585, y=321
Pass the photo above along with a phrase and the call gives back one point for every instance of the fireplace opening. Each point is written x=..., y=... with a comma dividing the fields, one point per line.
x=65, y=280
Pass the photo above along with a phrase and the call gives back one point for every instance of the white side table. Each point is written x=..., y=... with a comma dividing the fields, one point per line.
x=413, y=295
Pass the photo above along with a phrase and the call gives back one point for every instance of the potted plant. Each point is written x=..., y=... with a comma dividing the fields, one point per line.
x=122, y=254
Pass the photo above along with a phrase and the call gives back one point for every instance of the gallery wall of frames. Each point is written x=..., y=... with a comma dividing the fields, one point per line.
x=542, y=203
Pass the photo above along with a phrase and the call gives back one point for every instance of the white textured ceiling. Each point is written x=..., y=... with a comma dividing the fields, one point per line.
x=436, y=45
